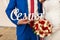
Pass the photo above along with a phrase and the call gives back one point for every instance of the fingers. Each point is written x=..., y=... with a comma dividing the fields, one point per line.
x=26, y=22
x=23, y=21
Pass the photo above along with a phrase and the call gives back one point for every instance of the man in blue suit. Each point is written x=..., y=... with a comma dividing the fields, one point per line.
x=23, y=30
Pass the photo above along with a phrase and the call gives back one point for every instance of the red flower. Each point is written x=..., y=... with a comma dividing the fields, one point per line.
x=49, y=25
x=36, y=27
x=44, y=28
x=31, y=24
x=41, y=32
x=42, y=22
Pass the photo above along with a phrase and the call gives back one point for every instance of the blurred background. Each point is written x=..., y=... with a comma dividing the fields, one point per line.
x=7, y=28
x=7, y=33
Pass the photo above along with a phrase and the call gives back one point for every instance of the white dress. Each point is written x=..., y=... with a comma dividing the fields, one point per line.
x=51, y=9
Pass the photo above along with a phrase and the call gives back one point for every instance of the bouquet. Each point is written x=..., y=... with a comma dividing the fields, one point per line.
x=42, y=27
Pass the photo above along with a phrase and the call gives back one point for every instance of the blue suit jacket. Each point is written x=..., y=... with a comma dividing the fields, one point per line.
x=23, y=8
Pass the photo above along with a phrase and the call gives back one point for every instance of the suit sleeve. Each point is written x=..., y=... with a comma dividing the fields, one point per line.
x=9, y=9
x=40, y=7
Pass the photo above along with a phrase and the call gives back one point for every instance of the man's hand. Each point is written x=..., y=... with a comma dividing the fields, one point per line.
x=23, y=21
